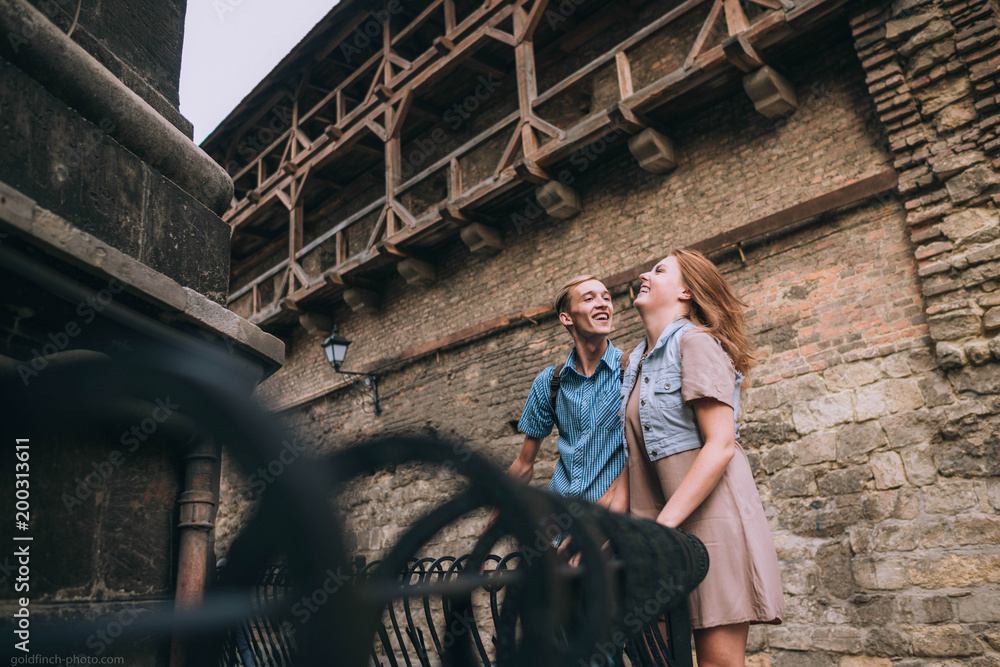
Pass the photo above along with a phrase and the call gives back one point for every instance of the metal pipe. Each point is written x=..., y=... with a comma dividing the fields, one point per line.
x=198, y=503
x=70, y=73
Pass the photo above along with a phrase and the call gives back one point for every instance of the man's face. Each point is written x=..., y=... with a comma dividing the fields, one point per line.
x=590, y=309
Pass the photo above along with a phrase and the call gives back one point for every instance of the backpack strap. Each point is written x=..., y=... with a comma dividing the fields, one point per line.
x=554, y=386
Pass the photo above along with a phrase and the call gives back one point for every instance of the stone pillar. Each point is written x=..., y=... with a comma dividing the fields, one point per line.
x=932, y=69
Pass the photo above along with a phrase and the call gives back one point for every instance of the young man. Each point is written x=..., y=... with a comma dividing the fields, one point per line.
x=586, y=405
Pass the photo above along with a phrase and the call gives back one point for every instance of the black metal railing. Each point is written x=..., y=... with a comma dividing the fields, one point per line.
x=414, y=632
x=318, y=608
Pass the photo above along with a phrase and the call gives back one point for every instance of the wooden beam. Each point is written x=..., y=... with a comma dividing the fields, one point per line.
x=295, y=218
x=531, y=23
x=706, y=34
x=624, y=70
x=736, y=18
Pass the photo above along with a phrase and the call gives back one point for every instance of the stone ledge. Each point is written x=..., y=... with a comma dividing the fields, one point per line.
x=59, y=237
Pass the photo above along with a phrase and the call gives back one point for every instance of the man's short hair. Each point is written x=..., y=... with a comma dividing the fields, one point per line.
x=561, y=302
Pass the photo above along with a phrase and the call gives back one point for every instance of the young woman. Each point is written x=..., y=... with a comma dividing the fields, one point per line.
x=680, y=399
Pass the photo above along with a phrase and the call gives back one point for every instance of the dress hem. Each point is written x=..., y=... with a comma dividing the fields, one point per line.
x=752, y=621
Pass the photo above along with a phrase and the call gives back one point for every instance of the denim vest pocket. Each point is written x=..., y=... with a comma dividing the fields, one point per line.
x=667, y=389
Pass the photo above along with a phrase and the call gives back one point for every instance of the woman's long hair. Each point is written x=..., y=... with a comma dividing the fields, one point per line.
x=715, y=307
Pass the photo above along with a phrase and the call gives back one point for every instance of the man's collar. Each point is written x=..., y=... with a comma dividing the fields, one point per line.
x=608, y=358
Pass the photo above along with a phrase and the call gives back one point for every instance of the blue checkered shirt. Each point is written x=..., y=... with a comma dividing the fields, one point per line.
x=591, y=436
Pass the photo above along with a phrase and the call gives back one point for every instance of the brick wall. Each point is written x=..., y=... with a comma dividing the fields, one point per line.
x=873, y=417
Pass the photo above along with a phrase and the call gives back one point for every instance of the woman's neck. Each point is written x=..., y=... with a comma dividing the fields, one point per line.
x=657, y=320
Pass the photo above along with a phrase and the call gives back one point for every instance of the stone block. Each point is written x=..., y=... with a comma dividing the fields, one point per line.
x=799, y=578
x=896, y=365
x=950, y=497
x=823, y=412
x=991, y=320
x=793, y=482
x=759, y=398
x=993, y=638
x=771, y=93
x=854, y=441
x=887, y=641
x=815, y=448
x=978, y=352
x=983, y=606
x=771, y=427
x=935, y=54
x=918, y=465
x=848, y=376
x=891, y=504
x=913, y=609
x=879, y=574
x=947, y=167
x=790, y=637
x=863, y=661
x=899, y=28
x=838, y=639
x=894, y=537
x=954, y=325
x=480, y=239
x=848, y=480
x=861, y=538
x=936, y=390
x=978, y=379
x=654, y=151
x=948, y=641
x=910, y=428
x=955, y=570
x=950, y=356
x=834, y=568
x=415, y=271
x=943, y=94
x=792, y=659
x=971, y=183
x=932, y=32
x=775, y=458
x=558, y=200
x=874, y=610
x=983, y=530
x=887, y=468
x=801, y=389
x=361, y=300
x=965, y=223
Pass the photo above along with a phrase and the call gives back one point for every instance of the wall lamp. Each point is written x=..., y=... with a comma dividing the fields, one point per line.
x=335, y=348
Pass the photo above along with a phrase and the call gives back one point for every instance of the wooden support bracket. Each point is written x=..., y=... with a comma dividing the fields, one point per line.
x=558, y=200
x=772, y=94
x=654, y=151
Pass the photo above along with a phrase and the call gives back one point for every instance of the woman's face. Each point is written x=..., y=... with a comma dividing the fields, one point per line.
x=662, y=286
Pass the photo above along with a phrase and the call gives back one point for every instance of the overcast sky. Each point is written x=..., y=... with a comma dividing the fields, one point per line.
x=230, y=45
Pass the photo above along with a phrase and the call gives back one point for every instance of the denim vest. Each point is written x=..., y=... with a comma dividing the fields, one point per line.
x=668, y=423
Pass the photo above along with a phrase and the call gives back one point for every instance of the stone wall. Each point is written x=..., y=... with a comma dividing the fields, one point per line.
x=873, y=417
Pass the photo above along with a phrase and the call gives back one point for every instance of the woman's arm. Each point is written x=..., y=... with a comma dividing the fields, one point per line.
x=715, y=419
x=616, y=497
x=619, y=502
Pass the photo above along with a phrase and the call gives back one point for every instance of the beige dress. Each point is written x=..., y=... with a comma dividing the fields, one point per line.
x=743, y=584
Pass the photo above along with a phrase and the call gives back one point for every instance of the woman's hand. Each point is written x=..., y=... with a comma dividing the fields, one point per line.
x=715, y=419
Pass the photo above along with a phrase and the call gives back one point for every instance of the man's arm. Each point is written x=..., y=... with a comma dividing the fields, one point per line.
x=521, y=470
x=523, y=467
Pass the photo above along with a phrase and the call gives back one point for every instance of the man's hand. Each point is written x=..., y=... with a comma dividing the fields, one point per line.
x=521, y=470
